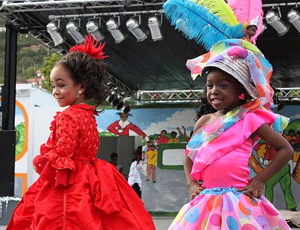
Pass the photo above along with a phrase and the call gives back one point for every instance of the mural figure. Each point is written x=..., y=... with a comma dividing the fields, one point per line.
x=183, y=135
x=265, y=155
x=163, y=138
x=124, y=127
x=296, y=172
x=173, y=138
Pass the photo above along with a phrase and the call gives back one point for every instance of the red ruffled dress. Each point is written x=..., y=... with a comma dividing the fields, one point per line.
x=75, y=190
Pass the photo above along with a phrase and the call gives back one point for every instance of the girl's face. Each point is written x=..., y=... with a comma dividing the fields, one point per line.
x=222, y=91
x=251, y=31
x=64, y=89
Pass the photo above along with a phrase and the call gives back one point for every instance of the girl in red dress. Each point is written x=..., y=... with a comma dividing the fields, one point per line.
x=75, y=190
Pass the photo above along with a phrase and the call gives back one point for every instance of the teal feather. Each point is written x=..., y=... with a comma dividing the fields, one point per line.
x=196, y=22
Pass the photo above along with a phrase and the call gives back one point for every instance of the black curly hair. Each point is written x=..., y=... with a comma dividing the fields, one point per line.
x=90, y=72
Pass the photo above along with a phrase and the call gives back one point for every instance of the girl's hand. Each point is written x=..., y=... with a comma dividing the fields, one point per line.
x=255, y=188
x=195, y=189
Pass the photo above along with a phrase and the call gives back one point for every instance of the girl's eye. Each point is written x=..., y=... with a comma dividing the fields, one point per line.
x=223, y=86
x=58, y=86
x=209, y=86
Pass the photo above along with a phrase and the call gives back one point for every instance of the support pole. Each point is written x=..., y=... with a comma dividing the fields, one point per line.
x=7, y=140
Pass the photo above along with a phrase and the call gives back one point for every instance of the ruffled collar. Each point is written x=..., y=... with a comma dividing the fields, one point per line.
x=89, y=108
x=86, y=107
x=82, y=106
x=202, y=138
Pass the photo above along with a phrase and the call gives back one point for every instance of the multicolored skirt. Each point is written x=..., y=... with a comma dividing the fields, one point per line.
x=228, y=209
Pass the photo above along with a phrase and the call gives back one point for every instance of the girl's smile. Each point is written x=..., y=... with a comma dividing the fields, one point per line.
x=65, y=90
x=222, y=90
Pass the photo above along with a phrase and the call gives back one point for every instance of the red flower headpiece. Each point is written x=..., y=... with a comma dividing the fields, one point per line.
x=91, y=48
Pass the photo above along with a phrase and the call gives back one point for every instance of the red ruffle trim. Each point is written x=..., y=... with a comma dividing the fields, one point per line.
x=61, y=177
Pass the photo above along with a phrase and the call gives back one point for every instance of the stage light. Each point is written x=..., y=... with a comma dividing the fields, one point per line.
x=52, y=29
x=294, y=18
x=274, y=19
x=92, y=27
x=113, y=27
x=154, y=26
x=134, y=27
x=73, y=29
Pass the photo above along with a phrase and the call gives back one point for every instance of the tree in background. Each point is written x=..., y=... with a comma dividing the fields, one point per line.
x=48, y=64
x=30, y=55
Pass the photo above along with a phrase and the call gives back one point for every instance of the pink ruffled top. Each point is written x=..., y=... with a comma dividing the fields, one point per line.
x=220, y=151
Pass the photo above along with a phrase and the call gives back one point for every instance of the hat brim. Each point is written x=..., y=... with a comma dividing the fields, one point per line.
x=235, y=70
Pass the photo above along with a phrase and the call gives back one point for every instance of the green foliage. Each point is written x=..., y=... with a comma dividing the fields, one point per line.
x=30, y=56
x=20, y=136
x=48, y=64
x=2, y=56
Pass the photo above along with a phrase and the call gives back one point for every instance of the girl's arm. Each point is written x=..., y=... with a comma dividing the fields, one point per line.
x=194, y=186
x=284, y=154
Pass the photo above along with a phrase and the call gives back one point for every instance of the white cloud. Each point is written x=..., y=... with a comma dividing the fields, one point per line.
x=184, y=118
x=19, y=119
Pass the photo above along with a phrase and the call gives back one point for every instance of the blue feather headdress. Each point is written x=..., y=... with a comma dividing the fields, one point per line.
x=199, y=23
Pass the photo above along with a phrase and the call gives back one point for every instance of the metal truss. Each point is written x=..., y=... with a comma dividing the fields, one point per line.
x=46, y=5
x=120, y=88
x=57, y=5
x=36, y=30
x=15, y=12
x=169, y=96
x=194, y=96
x=288, y=94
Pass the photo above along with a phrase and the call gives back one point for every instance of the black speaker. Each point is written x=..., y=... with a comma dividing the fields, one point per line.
x=7, y=162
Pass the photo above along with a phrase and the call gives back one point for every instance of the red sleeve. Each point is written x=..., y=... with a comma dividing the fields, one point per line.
x=137, y=130
x=113, y=128
x=59, y=150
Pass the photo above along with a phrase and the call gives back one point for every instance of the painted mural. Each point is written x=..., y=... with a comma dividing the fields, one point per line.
x=21, y=127
x=173, y=125
x=149, y=123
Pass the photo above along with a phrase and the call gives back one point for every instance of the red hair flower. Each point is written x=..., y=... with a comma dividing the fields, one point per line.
x=91, y=48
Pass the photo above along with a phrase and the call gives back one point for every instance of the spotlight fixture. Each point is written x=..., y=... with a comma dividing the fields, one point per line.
x=73, y=29
x=154, y=26
x=113, y=27
x=92, y=27
x=52, y=29
x=274, y=19
x=294, y=18
x=134, y=27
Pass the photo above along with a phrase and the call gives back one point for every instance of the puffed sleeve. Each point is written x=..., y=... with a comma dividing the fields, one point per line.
x=58, y=151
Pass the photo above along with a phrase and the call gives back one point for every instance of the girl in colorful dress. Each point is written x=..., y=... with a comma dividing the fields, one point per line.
x=216, y=162
x=75, y=190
